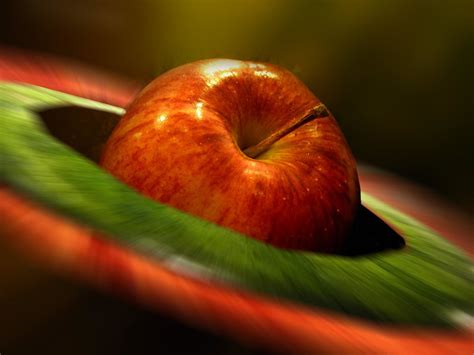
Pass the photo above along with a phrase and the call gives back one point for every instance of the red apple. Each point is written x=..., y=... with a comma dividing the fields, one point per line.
x=246, y=145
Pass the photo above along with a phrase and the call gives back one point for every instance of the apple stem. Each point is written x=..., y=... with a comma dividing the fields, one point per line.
x=317, y=111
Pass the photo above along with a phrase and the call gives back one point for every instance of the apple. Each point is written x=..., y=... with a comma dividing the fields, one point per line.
x=245, y=145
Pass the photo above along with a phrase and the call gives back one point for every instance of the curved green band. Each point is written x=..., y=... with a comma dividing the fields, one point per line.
x=427, y=283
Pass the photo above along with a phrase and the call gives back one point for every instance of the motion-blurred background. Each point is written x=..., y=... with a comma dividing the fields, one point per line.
x=397, y=74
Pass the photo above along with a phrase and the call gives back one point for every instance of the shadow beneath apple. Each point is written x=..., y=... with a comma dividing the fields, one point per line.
x=83, y=129
x=86, y=131
x=370, y=235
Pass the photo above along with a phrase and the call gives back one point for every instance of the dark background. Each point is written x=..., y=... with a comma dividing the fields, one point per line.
x=397, y=75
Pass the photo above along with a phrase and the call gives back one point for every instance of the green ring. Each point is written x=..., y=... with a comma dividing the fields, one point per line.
x=428, y=283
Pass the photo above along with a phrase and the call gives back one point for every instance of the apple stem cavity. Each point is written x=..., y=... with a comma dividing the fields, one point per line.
x=318, y=111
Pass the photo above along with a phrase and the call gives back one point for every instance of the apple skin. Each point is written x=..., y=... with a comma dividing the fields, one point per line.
x=181, y=143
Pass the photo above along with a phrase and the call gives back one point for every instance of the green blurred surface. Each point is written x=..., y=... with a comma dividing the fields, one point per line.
x=419, y=285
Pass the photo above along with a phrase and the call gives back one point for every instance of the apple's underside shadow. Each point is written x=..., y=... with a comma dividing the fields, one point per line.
x=86, y=131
